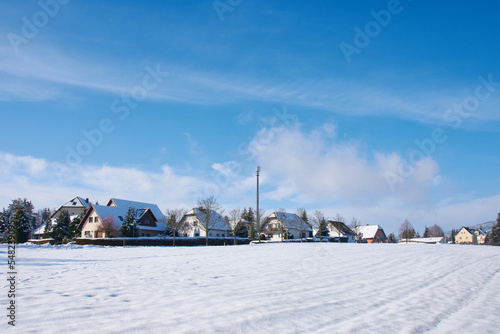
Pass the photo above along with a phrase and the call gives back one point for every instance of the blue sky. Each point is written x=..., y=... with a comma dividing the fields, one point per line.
x=183, y=100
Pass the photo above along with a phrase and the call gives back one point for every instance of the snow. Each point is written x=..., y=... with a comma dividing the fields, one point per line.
x=368, y=231
x=269, y=288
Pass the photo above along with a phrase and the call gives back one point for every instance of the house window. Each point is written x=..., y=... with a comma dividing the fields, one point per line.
x=90, y=219
x=217, y=234
x=147, y=222
x=87, y=234
x=270, y=235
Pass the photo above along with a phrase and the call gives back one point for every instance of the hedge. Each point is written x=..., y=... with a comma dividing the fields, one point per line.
x=151, y=241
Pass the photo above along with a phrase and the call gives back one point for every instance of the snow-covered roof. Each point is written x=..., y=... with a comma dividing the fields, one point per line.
x=336, y=225
x=220, y=222
x=432, y=240
x=77, y=202
x=290, y=220
x=138, y=205
x=40, y=230
x=117, y=209
x=368, y=231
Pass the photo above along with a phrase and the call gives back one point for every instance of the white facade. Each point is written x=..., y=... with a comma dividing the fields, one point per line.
x=279, y=226
x=191, y=225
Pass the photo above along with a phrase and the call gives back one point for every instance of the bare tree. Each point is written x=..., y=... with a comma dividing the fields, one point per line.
x=108, y=226
x=304, y=220
x=234, y=221
x=406, y=231
x=211, y=210
x=355, y=224
x=318, y=221
x=174, y=220
x=436, y=231
x=337, y=223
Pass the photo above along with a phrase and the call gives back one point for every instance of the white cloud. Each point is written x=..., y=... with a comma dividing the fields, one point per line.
x=37, y=180
x=309, y=167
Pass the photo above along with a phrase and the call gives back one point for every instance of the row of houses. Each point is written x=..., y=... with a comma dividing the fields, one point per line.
x=151, y=222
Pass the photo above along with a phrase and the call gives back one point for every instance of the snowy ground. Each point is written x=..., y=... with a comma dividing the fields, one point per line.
x=273, y=288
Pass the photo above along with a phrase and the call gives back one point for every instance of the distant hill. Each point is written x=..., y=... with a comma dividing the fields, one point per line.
x=488, y=226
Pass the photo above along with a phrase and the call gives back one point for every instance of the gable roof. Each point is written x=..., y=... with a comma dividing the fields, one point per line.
x=118, y=209
x=289, y=220
x=471, y=231
x=219, y=221
x=120, y=203
x=341, y=226
x=77, y=202
x=368, y=231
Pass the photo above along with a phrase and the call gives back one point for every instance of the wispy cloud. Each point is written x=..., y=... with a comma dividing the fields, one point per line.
x=336, y=94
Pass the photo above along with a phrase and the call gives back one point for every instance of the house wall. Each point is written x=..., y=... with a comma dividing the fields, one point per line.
x=192, y=227
x=72, y=210
x=465, y=237
x=91, y=225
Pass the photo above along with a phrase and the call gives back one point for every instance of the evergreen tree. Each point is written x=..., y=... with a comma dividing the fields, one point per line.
x=20, y=226
x=47, y=231
x=427, y=233
x=495, y=233
x=391, y=238
x=20, y=219
x=74, y=232
x=249, y=216
x=452, y=235
x=4, y=224
x=324, y=227
x=129, y=227
x=60, y=231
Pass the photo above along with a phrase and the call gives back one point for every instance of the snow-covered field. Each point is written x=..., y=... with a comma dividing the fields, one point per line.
x=272, y=288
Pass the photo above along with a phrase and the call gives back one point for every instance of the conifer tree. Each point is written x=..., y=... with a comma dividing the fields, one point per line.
x=391, y=238
x=129, y=226
x=495, y=233
x=60, y=230
x=48, y=229
x=74, y=232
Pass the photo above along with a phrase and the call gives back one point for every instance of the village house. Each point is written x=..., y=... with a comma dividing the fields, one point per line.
x=480, y=236
x=279, y=226
x=340, y=230
x=193, y=224
x=465, y=236
x=75, y=208
x=371, y=233
x=149, y=219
